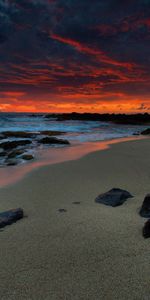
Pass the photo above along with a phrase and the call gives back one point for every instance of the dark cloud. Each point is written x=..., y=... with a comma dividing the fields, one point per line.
x=86, y=47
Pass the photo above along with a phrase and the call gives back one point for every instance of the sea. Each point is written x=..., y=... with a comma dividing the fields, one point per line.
x=76, y=131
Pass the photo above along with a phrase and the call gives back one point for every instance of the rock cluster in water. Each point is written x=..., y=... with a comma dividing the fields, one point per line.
x=14, y=145
x=146, y=131
x=115, y=118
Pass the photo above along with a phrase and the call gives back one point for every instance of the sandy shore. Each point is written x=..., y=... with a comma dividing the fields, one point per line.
x=90, y=252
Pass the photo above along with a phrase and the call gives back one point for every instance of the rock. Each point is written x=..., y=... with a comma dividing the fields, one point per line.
x=146, y=229
x=114, y=197
x=3, y=153
x=18, y=134
x=15, y=153
x=14, y=144
x=76, y=202
x=136, y=119
x=146, y=131
x=145, y=209
x=11, y=162
x=51, y=133
x=61, y=210
x=53, y=140
x=27, y=156
x=10, y=216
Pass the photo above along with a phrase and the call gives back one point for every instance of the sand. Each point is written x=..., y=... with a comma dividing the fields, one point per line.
x=89, y=252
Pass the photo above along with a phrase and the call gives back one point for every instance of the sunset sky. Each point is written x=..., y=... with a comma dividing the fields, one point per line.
x=71, y=55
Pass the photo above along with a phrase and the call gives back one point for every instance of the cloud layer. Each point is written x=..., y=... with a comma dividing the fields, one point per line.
x=65, y=55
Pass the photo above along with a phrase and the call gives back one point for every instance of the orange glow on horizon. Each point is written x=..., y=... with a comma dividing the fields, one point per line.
x=66, y=103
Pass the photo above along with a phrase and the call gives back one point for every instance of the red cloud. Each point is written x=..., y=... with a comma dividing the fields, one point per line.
x=100, y=55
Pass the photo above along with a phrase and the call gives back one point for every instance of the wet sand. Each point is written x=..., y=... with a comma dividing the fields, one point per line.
x=90, y=251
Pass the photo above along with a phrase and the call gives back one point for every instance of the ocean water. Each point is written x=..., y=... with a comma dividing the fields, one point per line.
x=76, y=131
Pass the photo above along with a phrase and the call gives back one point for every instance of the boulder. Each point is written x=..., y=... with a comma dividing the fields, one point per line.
x=11, y=162
x=146, y=229
x=145, y=209
x=10, y=216
x=146, y=131
x=18, y=134
x=51, y=133
x=14, y=144
x=27, y=156
x=53, y=140
x=114, y=197
x=3, y=153
x=15, y=153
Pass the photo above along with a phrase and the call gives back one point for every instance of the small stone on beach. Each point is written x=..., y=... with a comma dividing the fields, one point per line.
x=146, y=229
x=61, y=210
x=114, y=197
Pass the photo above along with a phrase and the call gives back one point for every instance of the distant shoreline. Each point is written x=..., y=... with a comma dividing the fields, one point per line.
x=117, y=118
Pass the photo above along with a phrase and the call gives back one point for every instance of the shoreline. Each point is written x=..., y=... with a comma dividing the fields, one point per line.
x=50, y=156
x=90, y=251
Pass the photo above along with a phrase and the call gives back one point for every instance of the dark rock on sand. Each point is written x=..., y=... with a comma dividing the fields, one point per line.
x=114, y=197
x=51, y=133
x=146, y=229
x=27, y=156
x=61, y=210
x=14, y=144
x=146, y=131
x=10, y=216
x=76, y=202
x=53, y=140
x=145, y=209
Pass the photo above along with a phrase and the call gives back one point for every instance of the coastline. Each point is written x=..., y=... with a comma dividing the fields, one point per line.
x=13, y=174
x=89, y=252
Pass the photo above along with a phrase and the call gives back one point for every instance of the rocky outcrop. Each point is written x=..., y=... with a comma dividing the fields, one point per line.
x=15, y=153
x=146, y=229
x=115, y=118
x=27, y=134
x=145, y=209
x=51, y=133
x=53, y=140
x=14, y=144
x=146, y=131
x=114, y=197
x=10, y=216
x=18, y=134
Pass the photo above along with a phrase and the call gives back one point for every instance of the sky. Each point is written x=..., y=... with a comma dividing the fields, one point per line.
x=71, y=55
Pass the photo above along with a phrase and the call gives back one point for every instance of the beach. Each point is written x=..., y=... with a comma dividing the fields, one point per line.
x=89, y=251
